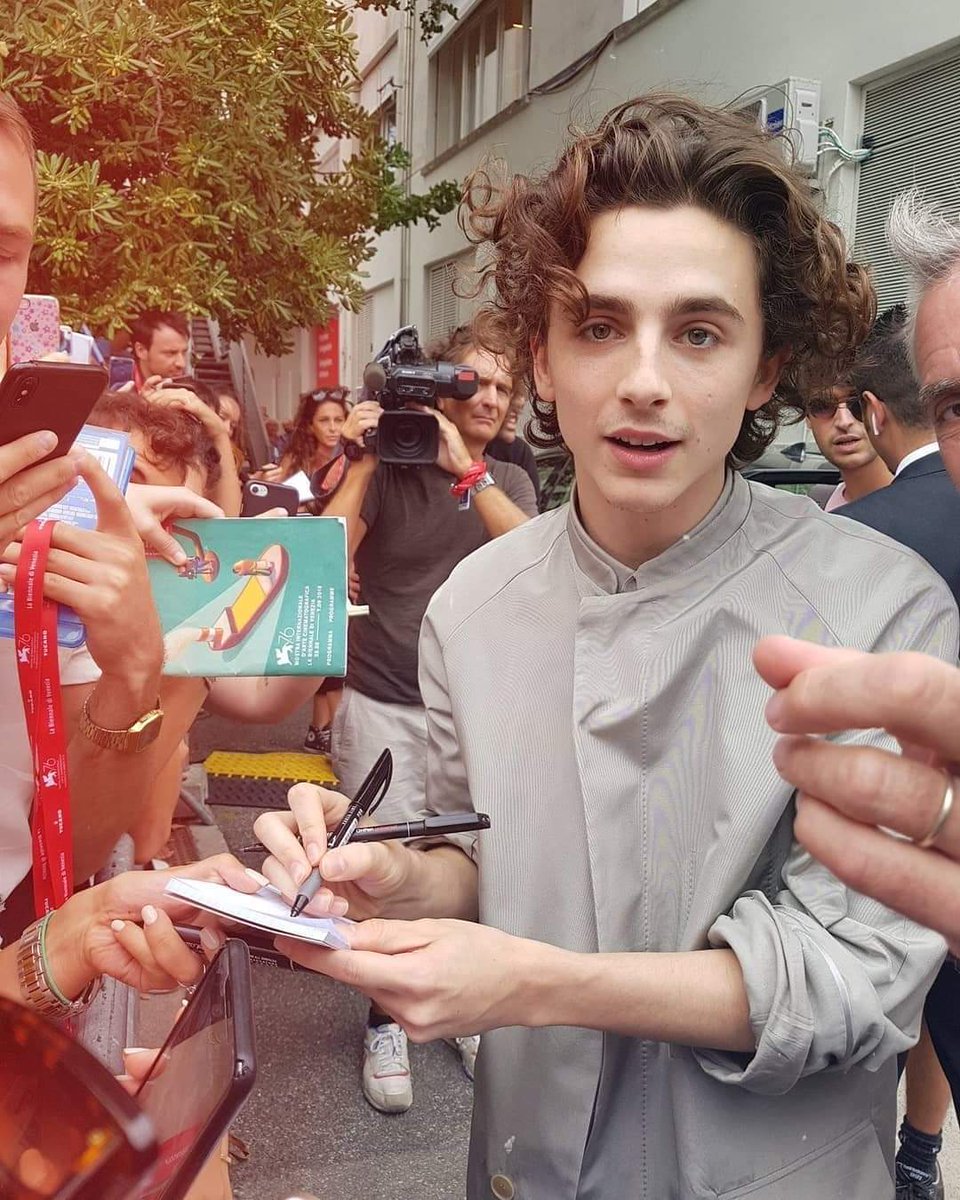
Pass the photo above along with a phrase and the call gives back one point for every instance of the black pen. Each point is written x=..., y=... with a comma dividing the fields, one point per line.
x=368, y=796
x=428, y=827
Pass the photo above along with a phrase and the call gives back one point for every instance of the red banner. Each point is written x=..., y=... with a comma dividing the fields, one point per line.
x=328, y=353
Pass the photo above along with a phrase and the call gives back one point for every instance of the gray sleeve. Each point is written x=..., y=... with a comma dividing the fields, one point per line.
x=832, y=977
x=516, y=486
x=447, y=786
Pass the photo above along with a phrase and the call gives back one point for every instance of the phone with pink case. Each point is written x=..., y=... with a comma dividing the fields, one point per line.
x=35, y=331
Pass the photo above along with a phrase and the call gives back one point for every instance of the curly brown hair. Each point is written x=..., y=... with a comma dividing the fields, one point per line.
x=303, y=445
x=665, y=151
x=173, y=436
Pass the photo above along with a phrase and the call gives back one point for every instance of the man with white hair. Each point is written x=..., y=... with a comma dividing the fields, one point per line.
x=850, y=796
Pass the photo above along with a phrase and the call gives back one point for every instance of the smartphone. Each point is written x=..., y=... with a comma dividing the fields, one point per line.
x=48, y=395
x=35, y=329
x=202, y=1075
x=121, y=372
x=260, y=497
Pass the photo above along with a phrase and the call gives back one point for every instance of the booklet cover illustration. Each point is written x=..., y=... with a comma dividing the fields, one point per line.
x=115, y=454
x=255, y=597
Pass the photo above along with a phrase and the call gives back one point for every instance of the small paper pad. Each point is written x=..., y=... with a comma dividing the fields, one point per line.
x=265, y=910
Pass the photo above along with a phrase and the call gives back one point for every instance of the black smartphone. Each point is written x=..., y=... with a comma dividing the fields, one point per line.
x=260, y=497
x=122, y=371
x=202, y=1075
x=68, y=1130
x=48, y=395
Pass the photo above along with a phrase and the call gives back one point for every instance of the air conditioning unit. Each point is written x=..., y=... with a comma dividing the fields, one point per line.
x=791, y=107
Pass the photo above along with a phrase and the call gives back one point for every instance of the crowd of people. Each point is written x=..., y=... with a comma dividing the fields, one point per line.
x=714, y=724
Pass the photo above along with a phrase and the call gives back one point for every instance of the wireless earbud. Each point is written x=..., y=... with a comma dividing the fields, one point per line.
x=873, y=425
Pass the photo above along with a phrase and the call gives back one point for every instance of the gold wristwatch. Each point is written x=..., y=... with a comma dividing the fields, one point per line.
x=139, y=736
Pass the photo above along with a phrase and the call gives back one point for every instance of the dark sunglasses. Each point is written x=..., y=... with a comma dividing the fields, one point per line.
x=324, y=394
x=67, y=1127
x=828, y=408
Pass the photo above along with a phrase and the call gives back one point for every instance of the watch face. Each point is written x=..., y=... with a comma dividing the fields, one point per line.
x=146, y=730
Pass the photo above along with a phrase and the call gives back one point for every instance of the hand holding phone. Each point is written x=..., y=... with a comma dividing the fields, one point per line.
x=30, y=481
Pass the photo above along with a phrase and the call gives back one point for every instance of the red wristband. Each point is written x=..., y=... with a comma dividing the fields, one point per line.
x=475, y=472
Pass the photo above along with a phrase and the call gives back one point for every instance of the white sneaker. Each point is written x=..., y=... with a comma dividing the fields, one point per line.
x=386, y=1069
x=467, y=1048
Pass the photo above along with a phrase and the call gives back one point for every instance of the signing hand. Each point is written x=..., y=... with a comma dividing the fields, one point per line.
x=437, y=978
x=361, y=876
x=848, y=795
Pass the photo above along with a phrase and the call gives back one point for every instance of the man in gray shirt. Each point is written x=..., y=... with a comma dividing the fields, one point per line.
x=682, y=1004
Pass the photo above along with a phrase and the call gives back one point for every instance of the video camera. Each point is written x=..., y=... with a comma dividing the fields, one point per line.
x=400, y=376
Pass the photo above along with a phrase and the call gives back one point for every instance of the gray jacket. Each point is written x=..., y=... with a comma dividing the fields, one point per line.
x=612, y=724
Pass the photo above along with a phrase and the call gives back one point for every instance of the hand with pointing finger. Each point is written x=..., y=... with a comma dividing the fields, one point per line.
x=850, y=796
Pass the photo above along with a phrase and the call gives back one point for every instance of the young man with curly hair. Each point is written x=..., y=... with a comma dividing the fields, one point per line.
x=681, y=1003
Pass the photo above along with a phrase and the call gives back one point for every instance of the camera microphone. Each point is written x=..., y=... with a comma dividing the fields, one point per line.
x=374, y=377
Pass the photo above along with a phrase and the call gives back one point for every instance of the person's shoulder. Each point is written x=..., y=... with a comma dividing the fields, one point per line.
x=855, y=577
x=503, y=471
x=495, y=567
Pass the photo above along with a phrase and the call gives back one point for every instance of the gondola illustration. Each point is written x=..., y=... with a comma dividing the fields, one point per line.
x=264, y=577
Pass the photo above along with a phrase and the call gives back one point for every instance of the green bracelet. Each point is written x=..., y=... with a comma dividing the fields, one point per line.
x=45, y=965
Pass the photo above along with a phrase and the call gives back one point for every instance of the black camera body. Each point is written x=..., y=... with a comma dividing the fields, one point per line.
x=399, y=377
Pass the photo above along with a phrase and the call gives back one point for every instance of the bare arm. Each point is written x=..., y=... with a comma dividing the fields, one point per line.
x=348, y=501
x=260, y=700
x=498, y=512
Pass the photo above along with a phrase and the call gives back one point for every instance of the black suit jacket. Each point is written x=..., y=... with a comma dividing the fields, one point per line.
x=919, y=509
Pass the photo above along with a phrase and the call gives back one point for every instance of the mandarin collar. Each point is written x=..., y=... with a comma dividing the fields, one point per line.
x=603, y=572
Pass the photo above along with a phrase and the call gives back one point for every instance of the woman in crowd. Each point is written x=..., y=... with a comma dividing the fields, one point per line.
x=314, y=443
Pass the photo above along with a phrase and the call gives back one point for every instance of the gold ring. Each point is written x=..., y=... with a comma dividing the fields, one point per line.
x=945, y=809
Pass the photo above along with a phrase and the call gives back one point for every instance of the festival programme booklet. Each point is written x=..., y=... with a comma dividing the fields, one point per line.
x=116, y=455
x=255, y=597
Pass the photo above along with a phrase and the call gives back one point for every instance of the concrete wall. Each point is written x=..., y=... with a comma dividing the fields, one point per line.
x=714, y=49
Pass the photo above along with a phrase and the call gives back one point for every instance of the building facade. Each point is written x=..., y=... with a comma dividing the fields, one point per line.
x=870, y=92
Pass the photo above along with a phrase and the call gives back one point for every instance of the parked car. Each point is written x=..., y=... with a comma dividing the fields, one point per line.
x=795, y=468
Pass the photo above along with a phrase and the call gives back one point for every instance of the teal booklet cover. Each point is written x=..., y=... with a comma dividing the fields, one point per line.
x=255, y=597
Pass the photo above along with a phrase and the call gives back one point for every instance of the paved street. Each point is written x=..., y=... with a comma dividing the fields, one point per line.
x=308, y=1127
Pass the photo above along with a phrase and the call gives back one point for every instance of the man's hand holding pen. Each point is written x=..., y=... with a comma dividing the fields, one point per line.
x=319, y=841
x=358, y=877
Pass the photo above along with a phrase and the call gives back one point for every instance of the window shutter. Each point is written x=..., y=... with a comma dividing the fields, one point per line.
x=365, y=332
x=444, y=304
x=915, y=122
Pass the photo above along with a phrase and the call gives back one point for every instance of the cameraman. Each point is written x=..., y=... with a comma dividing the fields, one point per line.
x=407, y=533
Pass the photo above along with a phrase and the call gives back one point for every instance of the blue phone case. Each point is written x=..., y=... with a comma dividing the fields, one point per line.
x=115, y=454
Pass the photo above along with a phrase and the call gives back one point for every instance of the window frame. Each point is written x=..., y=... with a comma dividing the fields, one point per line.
x=451, y=61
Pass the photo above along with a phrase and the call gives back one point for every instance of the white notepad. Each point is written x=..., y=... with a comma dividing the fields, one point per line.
x=265, y=910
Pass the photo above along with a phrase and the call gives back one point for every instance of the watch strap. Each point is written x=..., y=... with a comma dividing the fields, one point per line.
x=37, y=985
x=137, y=737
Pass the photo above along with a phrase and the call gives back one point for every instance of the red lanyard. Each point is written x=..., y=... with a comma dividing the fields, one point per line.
x=38, y=665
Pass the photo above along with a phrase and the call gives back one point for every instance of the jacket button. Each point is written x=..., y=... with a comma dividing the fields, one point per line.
x=501, y=1186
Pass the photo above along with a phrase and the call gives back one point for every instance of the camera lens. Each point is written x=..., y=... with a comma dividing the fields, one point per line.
x=406, y=435
x=258, y=489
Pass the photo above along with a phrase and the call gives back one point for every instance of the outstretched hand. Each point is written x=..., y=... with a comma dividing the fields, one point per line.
x=849, y=796
x=437, y=978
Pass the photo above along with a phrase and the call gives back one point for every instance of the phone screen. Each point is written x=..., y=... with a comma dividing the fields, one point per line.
x=202, y=1075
